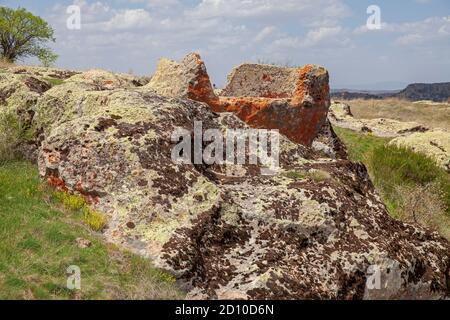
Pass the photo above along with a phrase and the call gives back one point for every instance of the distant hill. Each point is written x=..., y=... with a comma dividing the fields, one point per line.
x=349, y=95
x=437, y=92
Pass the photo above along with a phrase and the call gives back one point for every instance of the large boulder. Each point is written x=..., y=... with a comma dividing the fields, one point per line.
x=315, y=228
x=294, y=101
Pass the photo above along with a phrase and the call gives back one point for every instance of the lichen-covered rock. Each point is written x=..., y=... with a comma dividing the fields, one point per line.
x=80, y=95
x=434, y=143
x=314, y=229
x=259, y=80
x=105, y=80
x=42, y=72
x=188, y=79
x=294, y=101
x=340, y=115
x=19, y=93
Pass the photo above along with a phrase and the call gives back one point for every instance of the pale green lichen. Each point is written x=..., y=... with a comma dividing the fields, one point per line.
x=183, y=211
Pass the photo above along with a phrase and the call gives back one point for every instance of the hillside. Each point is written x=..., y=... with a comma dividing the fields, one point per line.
x=437, y=92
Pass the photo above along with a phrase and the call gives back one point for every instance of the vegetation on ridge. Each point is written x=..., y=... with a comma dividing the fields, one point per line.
x=412, y=186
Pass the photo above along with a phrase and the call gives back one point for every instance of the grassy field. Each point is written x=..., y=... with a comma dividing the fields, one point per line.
x=429, y=114
x=412, y=186
x=38, y=243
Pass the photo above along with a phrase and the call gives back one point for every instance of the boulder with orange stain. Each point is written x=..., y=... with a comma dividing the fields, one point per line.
x=293, y=100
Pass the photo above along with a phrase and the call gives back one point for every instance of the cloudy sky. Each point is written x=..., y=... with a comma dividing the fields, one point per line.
x=413, y=44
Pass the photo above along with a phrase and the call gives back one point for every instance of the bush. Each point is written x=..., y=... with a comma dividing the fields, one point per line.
x=11, y=134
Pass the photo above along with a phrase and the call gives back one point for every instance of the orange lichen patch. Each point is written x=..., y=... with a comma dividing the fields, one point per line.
x=88, y=197
x=57, y=183
x=297, y=122
x=274, y=95
x=269, y=104
x=201, y=89
x=299, y=93
x=53, y=158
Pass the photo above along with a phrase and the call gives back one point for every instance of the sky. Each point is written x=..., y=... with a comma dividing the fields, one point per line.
x=411, y=45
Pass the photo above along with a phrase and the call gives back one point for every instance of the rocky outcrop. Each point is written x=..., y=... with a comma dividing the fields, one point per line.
x=294, y=101
x=435, y=144
x=313, y=229
x=340, y=115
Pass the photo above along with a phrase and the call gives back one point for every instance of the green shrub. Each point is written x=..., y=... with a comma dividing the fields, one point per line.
x=11, y=133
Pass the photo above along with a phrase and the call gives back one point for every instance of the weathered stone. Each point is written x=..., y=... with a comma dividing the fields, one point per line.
x=188, y=79
x=293, y=235
x=83, y=243
x=293, y=100
x=259, y=80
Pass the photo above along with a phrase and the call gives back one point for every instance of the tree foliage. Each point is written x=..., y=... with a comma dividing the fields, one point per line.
x=23, y=35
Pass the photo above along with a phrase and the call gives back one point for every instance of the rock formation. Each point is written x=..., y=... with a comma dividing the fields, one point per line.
x=316, y=229
x=293, y=100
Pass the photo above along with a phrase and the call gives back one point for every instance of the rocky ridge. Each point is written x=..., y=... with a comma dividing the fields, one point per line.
x=314, y=230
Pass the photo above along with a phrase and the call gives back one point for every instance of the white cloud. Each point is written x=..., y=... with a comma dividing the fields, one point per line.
x=265, y=33
x=414, y=33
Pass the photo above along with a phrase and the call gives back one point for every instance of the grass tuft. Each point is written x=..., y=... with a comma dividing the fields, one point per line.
x=94, y=219
x=316, y=175
x=54, y=82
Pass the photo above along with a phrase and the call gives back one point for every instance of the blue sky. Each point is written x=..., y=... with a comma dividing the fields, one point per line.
x=413, y=44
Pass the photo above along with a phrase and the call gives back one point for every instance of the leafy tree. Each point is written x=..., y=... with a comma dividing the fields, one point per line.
x=23, y=34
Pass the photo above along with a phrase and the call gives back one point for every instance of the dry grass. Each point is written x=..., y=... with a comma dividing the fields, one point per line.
x=5, y=64
x=424, y=205
x=434, y=115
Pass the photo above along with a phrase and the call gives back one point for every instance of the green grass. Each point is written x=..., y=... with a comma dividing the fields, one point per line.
x=315, y=175
x=359, y=146
x=402, y=177
x=391, y=166
x=54, y=81
x=38, y=243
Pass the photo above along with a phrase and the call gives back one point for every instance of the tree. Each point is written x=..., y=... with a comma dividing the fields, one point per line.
x=23, y=35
